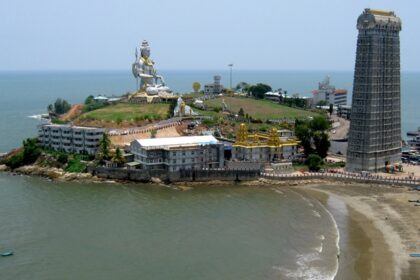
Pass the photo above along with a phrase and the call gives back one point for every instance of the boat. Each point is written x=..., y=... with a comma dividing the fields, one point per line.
x=415, y=255
x=7, y=254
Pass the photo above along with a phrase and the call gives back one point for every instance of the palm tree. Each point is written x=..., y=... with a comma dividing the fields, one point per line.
x=118, y=157
x=104, y=148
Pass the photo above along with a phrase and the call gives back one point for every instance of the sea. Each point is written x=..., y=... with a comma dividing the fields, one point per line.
x=62, y=230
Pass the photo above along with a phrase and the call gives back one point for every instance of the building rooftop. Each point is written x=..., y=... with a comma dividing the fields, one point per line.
x=69, y=126
x=178, y=141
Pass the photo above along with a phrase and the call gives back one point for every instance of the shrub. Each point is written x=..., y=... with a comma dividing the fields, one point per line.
x=314, y=162
x=15, y=161
x=76, y=166
x=63, y=158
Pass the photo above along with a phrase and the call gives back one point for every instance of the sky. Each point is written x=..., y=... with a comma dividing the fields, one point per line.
x=50, y=35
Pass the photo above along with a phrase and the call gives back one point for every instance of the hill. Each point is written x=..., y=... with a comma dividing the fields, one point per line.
x=258, y=109
x=124, y=115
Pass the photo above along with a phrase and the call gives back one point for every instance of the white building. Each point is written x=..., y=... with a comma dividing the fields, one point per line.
x=329, y=94
x=177, y=153
x=71, y=139
x=214, y=88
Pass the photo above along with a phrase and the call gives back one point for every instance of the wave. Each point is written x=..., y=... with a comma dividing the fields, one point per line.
x=337, y=240
x=316, y=214
x=37, y=117
x=305, y=270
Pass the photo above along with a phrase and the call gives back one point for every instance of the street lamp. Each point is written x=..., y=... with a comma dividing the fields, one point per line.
x=230, y=66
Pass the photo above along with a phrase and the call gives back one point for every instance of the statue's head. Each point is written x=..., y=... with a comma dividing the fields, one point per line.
x=145, y=49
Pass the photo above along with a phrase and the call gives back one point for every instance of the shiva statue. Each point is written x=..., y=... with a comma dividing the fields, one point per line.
x=143, y=69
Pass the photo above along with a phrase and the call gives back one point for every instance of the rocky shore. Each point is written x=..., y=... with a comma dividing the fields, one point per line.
x=51, y=173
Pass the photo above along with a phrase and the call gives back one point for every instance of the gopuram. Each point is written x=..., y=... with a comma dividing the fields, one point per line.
x=151, y=87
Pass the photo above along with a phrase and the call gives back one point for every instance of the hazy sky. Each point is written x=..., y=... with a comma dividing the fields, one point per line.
x=193, y=34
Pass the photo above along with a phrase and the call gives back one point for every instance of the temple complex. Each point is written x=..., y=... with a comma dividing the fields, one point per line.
x=262, y=147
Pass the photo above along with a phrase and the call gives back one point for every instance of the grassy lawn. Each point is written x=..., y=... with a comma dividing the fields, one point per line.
x=128, y=112
x=259, y=109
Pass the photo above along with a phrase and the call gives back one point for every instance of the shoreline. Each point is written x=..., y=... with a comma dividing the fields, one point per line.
x=385, y=226
x=383, y=236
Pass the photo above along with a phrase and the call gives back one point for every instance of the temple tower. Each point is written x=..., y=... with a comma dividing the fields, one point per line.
x=375, y=127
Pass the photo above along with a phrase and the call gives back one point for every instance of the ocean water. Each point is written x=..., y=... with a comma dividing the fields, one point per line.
x=113, y=231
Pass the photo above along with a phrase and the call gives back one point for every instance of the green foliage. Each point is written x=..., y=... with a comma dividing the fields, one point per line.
x=104, y=148
x=294, y=102
x=217, y=109
x=91, y=104
x=75, y=165
x=58, y=121
x=322, y=103
x=15, y=161
x=242, y=87
x=118, y=157
x=89, y=100
x=313, y=135
x=60, y=106
x=196, y=86
x=31, y=150
x=127, y=112
x=321, y=142
x=303, y=133
x=241, y=112
x=258, y=91
x=63, y=158
x=314, y=162
x=171, y=109
x=210, y=122
x=319, y=123
x=30, y=153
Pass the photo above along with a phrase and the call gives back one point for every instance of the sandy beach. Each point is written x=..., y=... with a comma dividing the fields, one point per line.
x=380, y=228
x=383, y=229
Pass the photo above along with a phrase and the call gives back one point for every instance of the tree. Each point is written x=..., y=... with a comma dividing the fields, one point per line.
x=28, y=155
x=314, y=162
x=313, y=135
x=118, y=157
x=196, y=86
x=104, y=148
x=331, y=109
x=319, y=123
x=241, y=112
x=60, y=106
x=242, y=87
x=89, y=100
x=322, y=103
x=303, y=133
x=258, y=91
x=322, y=144
x=31, y=150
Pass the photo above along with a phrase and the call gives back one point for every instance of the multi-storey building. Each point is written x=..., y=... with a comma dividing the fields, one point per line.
x=329, y=94
x=72, y=139
x=375, y=127
x=214, y=88
x=178, y=153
